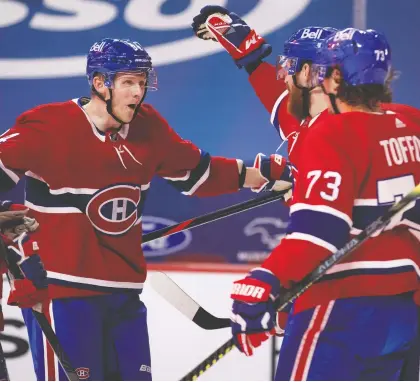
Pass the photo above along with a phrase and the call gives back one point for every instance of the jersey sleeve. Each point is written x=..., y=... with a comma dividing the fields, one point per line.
x=21, y=148
x=274, y=96
x=195, y=172
x=321, y=215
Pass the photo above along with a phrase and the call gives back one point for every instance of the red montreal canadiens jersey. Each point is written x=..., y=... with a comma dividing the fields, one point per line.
x=87, y=190
x=356, y=165
x=364, y=163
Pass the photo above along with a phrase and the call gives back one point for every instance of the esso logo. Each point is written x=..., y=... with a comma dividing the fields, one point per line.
x=114, y=210
x=66, y=56
x=164, y=245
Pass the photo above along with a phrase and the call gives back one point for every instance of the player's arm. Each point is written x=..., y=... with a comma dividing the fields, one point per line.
x=320, y=223
x=248, y=49
x=321, y=216
x=195, y=172
x=21, y=149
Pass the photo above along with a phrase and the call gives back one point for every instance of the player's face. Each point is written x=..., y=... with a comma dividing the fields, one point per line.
x=332, y=82
x=127, y=93
x=295, y=101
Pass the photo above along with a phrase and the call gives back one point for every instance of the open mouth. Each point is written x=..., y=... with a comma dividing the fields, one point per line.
x=132, y=106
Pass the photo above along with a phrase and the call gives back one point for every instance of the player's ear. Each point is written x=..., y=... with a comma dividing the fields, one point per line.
x=333, y=80
x=98, y=84
x=336, y=75
x=306, y=73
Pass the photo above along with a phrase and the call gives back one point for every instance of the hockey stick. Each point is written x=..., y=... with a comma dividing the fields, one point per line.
x=181, y=301
x=212, y=216
x=288, y=295
x=4, y=374
x=185, y=304
x=43, y=323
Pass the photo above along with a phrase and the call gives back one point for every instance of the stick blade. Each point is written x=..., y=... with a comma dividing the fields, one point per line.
x=173, y=294
x=184, y=303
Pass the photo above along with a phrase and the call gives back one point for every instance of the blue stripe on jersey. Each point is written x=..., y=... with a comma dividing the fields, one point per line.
x=367, y=271
x=91, y=287
x=6, y=183
x=413, y=214
x=364, y=215
x=322, y=225
x=38, y=193
x=195, y=174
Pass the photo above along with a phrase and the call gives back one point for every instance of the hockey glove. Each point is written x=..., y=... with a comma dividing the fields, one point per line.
x=13, y=220
x=239, y=40
x=29, y=285
x=276, y=171
x=253, y=310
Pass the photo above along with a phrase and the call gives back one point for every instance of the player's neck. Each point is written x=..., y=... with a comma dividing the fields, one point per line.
x=346, y=108
x=318, y=102
x=96, y=110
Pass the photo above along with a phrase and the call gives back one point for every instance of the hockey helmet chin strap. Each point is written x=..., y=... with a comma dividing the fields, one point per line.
x=109, y=105
x=333, y=99
x=305, y=97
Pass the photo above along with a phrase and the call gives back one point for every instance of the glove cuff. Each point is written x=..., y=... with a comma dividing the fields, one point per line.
x=242, y=176
x=268, y=277
x=255, y=57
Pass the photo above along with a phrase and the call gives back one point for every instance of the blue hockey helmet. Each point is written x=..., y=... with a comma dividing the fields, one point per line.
x=111, y=56
x=300, y=47
x=363, y=57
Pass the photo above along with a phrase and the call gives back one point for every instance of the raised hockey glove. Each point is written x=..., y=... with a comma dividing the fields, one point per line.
x=253, y=310
x=13, y=219
x=276, y=172
x=29, y=284
x=239, y=40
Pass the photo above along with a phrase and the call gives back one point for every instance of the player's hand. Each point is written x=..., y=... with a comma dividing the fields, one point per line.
x=253, y=310
x=29, y=284
x=276, y=173
x=13, y=219
x=239, y=40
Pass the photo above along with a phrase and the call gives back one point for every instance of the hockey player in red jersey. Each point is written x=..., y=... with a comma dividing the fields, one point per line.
x=356, y=164
x=293, y=102
x=87, y=191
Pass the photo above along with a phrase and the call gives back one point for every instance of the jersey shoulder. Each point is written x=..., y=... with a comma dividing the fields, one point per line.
x=405, y=110
x=48, y=112
x=339, y=132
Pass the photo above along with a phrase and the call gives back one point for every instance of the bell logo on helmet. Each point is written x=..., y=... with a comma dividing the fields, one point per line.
x=315, y=35
x=96, y=47
x=346, y=34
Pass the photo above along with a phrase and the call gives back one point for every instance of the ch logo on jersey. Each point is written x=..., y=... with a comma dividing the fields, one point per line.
x=114, y=210
x=83, y=372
